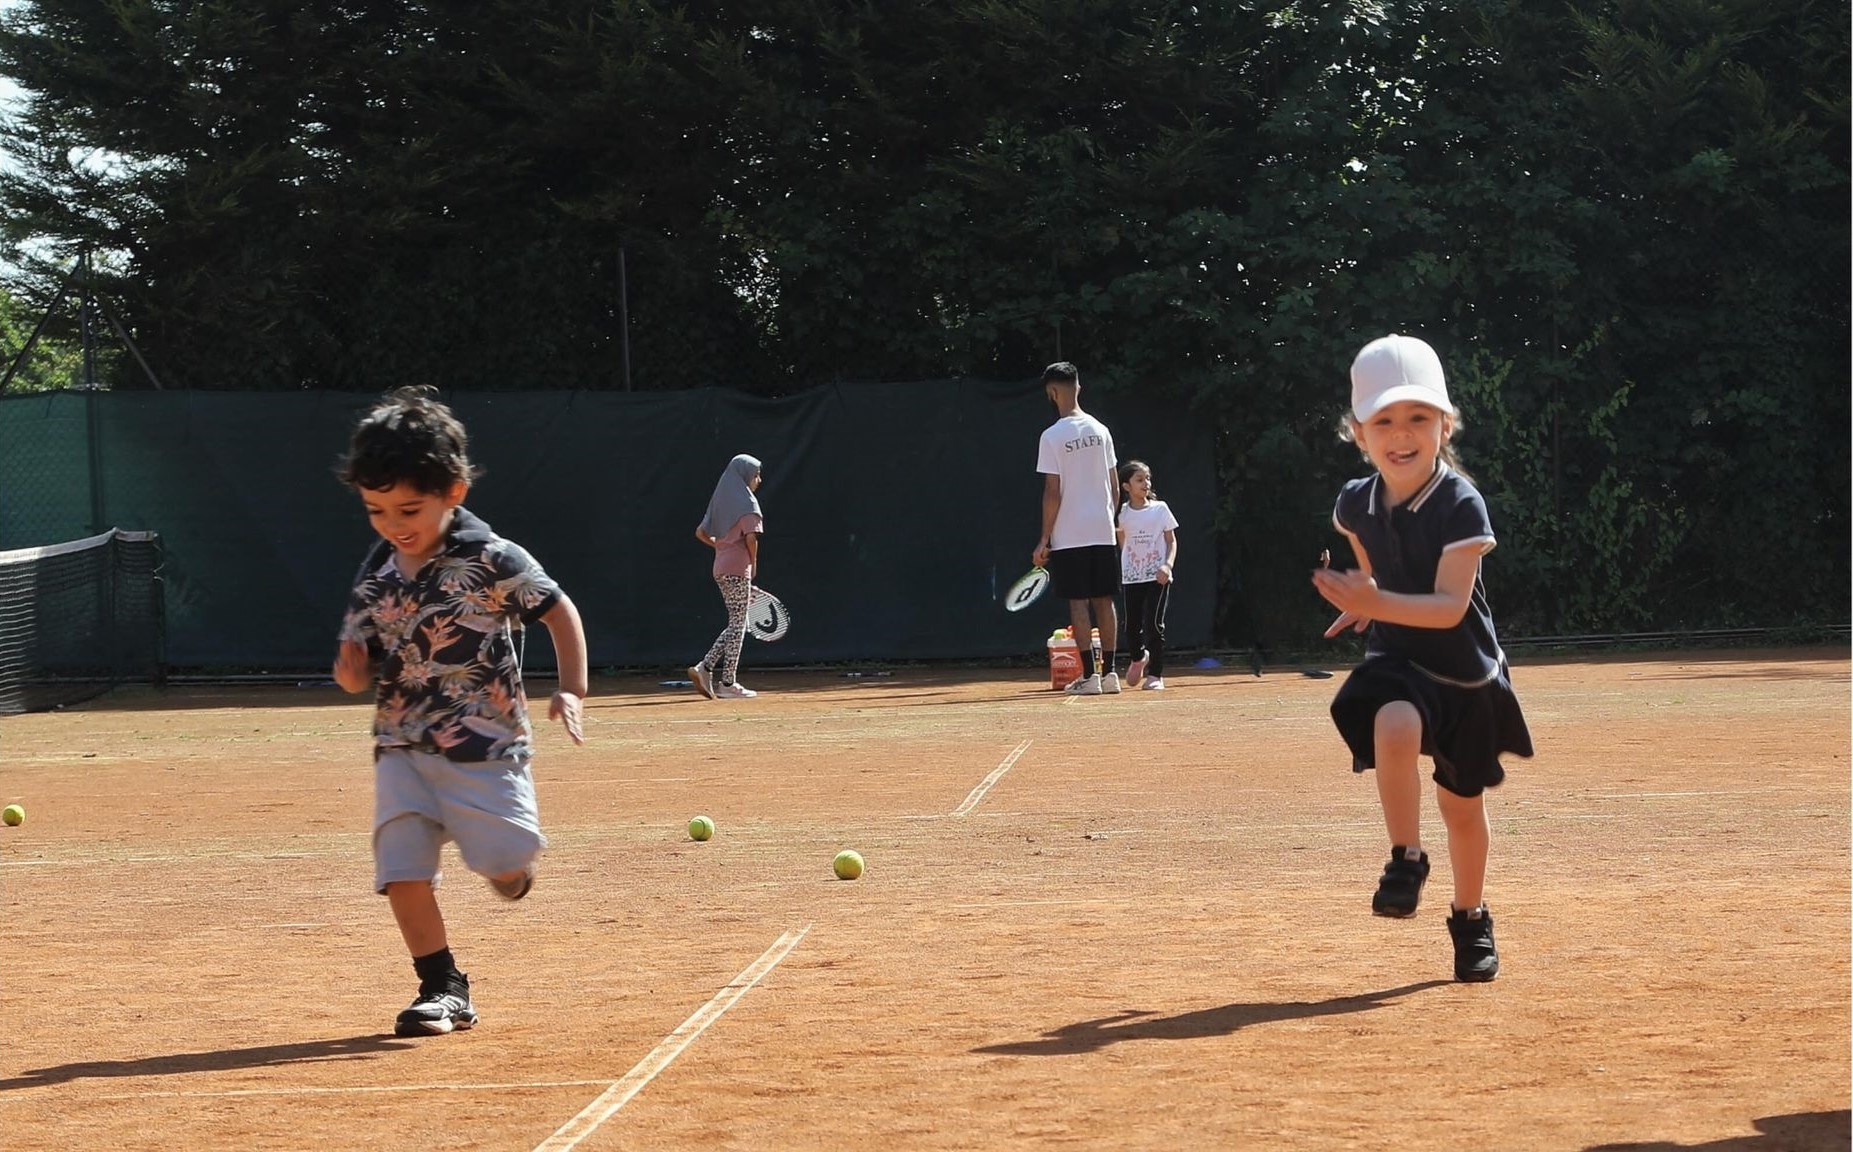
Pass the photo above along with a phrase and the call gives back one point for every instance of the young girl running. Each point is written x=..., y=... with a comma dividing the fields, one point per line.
x=1148, y=552
x=731, y=527
x=1433, y=681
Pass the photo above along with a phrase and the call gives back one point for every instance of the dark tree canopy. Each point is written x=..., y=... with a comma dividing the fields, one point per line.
x=1624, y=224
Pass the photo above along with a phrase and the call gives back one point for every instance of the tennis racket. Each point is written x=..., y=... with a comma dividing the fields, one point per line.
x=766, y=617
x=1028, y=588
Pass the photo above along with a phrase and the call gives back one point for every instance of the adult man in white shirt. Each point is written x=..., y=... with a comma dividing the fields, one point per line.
x=1079, y=494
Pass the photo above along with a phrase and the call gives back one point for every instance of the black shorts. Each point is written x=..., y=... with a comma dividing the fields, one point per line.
x=1086, y=573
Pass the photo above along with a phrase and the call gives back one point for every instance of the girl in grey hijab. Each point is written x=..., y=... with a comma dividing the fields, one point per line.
x=731, y=527
x=733, y=496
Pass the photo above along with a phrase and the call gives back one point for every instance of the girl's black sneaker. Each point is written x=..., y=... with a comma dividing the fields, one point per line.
x=1475, y=959
x=1400, y=888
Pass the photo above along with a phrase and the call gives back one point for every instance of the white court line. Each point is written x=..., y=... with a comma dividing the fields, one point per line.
x=619, y=1094
x=997, y=773
x=357, y=1088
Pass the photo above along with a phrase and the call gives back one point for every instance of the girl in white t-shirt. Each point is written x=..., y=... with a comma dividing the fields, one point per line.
x=1148, y=551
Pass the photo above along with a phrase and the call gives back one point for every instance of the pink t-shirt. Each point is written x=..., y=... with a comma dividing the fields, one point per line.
x=730, y=555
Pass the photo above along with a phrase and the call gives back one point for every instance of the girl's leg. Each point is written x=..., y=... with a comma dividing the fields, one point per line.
x=1154, y=630
x=718, y=650
x=738, y=592
x=1398, y=744
x=1476, y=957
x=1135, y=620
x=713, y=659
x=1398, y=741
x=1469, y=842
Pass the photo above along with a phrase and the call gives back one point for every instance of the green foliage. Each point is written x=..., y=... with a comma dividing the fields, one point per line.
x=55, y=361
x=1573, y=557
x=1624, y=225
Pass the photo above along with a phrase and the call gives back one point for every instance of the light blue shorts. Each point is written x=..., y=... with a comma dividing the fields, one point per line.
x=421, y=800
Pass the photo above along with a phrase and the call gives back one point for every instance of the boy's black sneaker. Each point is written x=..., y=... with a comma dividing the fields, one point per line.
x=1400, y=888
x=440, y=1008
x=1475, y=959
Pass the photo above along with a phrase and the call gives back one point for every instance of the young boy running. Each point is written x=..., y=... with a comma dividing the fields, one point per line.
x=430, y=627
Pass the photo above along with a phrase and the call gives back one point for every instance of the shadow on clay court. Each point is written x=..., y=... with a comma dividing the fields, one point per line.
x=1093, y=1035
x=1796, y=1132
x=224, y=1060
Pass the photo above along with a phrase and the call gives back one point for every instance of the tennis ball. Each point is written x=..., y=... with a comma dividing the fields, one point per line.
x=14, y=815
x=700, y=828
x=848, y=865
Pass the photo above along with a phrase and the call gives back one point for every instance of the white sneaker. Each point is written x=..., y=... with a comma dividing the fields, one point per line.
x=734, y=692
x=702, y=679
x=1154, y=684
x=1135, y=673
x=1110, y=684
x=1085, y=686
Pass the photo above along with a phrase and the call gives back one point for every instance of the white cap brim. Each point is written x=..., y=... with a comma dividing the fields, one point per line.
x=1396, y=394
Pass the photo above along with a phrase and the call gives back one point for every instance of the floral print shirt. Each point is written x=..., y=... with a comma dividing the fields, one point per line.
x=445, y=653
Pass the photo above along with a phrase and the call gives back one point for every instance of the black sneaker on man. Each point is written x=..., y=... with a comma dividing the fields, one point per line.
x=1475, y=959
x=441, y=1007
x=1399, y=890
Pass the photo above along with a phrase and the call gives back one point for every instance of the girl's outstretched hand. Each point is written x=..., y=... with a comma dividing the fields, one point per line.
x=1347, y=620
x=1350, y=590
x=568, y=708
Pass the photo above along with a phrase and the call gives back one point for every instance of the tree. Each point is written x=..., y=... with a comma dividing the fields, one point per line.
x=54, y=362
x=1624, y=224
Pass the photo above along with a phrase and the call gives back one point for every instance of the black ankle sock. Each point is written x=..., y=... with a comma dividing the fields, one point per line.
x=436, y=968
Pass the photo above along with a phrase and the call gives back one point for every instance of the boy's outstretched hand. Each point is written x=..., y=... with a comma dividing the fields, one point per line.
x=353, y=670
x=569, y=708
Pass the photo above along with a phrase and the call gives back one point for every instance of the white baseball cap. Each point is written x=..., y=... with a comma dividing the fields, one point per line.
x=1396, y=368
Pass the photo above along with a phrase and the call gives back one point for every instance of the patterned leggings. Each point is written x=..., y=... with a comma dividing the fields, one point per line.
x=724, y=657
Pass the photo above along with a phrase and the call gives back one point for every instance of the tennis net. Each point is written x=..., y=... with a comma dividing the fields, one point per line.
x=78, y=618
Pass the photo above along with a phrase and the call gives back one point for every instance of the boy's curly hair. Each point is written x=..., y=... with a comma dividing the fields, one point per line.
x=409, y=436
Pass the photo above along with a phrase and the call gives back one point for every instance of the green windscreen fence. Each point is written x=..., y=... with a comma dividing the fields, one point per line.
x=896, y=514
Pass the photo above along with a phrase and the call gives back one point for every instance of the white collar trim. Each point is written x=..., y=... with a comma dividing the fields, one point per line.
x=1421, y=496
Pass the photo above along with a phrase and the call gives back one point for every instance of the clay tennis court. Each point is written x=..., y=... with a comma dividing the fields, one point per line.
x=1132, y=922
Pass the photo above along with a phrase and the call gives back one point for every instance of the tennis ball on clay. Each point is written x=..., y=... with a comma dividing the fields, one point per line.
x=700, y=828
x=14, y=815
x=848, y=865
